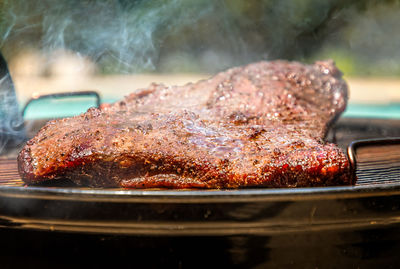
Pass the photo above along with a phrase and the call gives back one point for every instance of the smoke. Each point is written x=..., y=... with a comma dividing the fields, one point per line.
x=11, y=122
x=135, y=36
x=130, y=36
x=120, y=36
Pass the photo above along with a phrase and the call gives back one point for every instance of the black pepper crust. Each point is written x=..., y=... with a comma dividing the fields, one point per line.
x=260, y=125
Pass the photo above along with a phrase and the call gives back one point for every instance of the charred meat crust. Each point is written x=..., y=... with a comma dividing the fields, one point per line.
x=258, y=125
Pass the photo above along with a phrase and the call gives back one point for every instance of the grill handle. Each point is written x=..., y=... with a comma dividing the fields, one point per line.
x=60, y=95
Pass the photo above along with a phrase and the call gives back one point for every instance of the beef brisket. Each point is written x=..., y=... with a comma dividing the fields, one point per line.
x=262, y=124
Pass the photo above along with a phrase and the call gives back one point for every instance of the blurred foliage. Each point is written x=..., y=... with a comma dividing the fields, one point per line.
x=369, y=43
x=362, y=36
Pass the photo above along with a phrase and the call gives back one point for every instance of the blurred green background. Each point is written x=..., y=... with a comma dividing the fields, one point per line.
x=122, y=36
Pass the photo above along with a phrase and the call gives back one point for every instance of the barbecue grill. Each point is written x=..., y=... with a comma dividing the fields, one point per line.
x=343, y=226
x=278, y=226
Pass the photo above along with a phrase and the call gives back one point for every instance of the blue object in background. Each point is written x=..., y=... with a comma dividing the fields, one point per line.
x=71, y=106
x=386, y=111
x=58, y=107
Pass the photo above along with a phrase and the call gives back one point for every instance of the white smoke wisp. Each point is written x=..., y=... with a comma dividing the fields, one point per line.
x=11, y=122
x=123, y=36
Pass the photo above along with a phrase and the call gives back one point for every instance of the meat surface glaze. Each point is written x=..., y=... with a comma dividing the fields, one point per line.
x=262, y=124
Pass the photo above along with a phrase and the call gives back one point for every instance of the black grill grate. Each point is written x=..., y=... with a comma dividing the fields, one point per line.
x=9, y=173
x=376, y=161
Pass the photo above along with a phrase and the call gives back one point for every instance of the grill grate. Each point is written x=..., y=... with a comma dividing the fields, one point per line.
x=9, y=173
x=376, y=161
